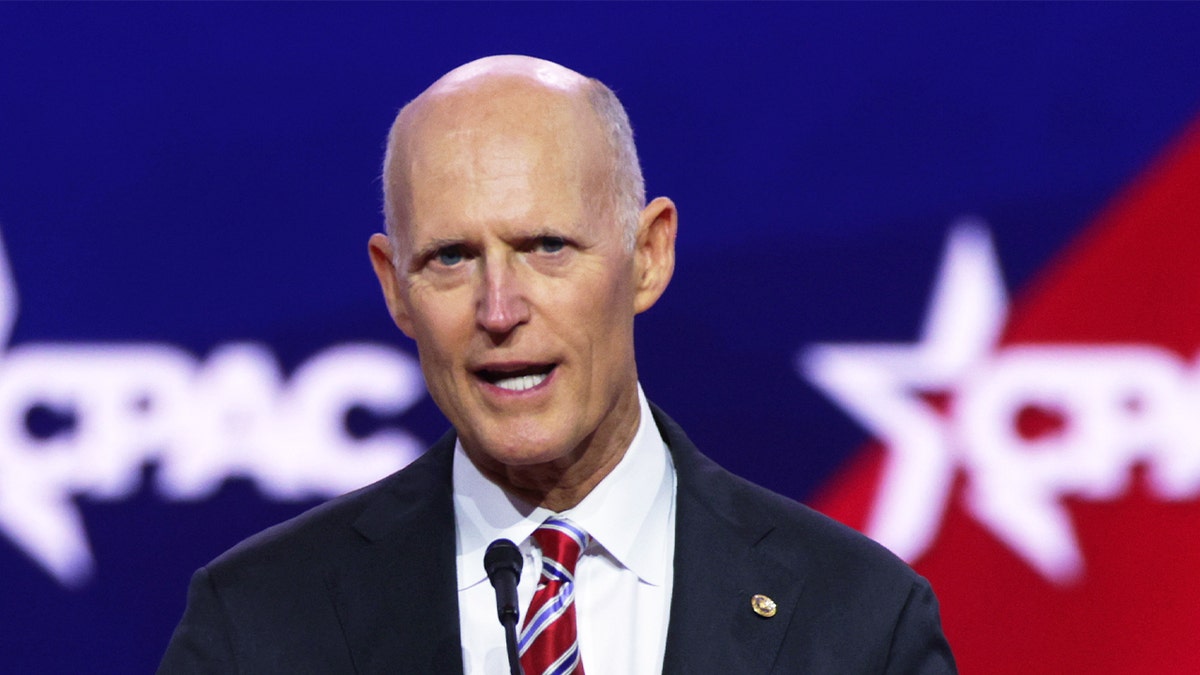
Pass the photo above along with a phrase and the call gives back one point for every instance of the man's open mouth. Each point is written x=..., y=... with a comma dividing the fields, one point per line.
x=518, y=379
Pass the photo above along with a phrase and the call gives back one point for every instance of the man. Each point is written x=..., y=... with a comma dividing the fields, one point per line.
x=519, y=249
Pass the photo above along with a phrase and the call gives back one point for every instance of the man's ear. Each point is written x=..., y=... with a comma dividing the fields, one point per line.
x=382, y=254
x=654, y=252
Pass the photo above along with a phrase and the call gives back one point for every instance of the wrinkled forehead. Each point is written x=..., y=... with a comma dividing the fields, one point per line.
x=491, y=128
x=499, y=109
x=498, y=106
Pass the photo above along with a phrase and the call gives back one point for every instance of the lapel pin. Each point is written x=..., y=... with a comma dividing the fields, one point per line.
x=763, y=606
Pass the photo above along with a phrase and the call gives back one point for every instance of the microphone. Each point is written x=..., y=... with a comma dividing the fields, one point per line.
x=503, y=561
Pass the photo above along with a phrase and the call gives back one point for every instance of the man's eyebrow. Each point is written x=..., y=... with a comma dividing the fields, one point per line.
x=532, y=235
x=564, y=231
x=419, y=255
x=433, y=246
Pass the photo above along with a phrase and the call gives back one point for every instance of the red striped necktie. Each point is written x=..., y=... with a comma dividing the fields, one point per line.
x=549, y=643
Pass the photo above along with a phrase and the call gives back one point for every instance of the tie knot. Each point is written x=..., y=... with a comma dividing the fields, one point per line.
x=561, y=541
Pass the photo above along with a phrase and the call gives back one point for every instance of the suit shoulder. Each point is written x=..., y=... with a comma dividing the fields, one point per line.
x=304, y=534
x=343, y=523
x=794, y=534
x=789, y=532
x=821, y=540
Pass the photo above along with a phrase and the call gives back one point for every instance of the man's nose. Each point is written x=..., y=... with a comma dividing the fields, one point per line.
x=503, y=305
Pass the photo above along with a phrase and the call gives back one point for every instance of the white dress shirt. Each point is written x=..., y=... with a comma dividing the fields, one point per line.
x=623, y=580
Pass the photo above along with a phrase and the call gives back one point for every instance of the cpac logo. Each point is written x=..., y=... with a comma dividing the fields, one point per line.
x=1029, y=424
x=83, y=419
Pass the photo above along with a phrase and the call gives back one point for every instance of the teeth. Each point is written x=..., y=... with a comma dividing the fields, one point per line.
x=521, y=382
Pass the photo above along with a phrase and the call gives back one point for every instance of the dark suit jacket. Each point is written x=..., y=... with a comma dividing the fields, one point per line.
x=366, y=584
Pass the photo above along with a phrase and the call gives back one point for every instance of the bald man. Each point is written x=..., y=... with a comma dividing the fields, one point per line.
x=519, y=249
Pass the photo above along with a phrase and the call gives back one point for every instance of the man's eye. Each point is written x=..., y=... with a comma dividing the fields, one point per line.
x=449, y=256
x=551, y=244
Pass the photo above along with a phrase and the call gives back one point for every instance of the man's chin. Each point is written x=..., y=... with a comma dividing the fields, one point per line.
x=519, y=454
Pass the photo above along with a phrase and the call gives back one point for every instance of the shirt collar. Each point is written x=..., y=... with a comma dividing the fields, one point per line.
x=627, y=513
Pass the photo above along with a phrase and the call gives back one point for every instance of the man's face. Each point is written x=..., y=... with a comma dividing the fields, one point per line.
x=517, y=288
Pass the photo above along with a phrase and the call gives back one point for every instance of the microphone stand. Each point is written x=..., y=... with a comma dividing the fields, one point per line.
x=503, y=562
x=510, y=641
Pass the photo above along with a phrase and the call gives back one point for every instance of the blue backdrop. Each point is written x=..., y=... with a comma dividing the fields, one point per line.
x=196, y=176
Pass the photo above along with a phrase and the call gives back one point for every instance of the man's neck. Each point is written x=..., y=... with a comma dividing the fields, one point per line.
x=558, y=485
x=563, y=483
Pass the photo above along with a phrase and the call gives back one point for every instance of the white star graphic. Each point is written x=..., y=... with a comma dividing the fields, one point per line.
x=879, y=386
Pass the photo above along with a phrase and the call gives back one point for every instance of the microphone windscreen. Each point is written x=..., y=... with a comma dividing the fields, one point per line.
x=502, y=554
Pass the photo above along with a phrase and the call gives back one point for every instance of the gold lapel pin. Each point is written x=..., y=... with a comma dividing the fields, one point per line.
x=763, y=606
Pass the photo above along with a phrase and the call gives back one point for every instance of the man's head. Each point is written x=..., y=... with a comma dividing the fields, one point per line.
x=627, y=190
x=518, y=254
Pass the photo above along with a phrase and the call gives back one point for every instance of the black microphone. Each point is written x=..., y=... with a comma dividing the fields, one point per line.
x=503, y=564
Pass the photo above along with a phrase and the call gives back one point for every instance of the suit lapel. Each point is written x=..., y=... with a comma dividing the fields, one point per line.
x=397, y=599
x=718, y=568
x=396, y=595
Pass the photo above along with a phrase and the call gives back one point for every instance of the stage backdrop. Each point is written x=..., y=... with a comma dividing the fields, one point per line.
x=938, y=275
